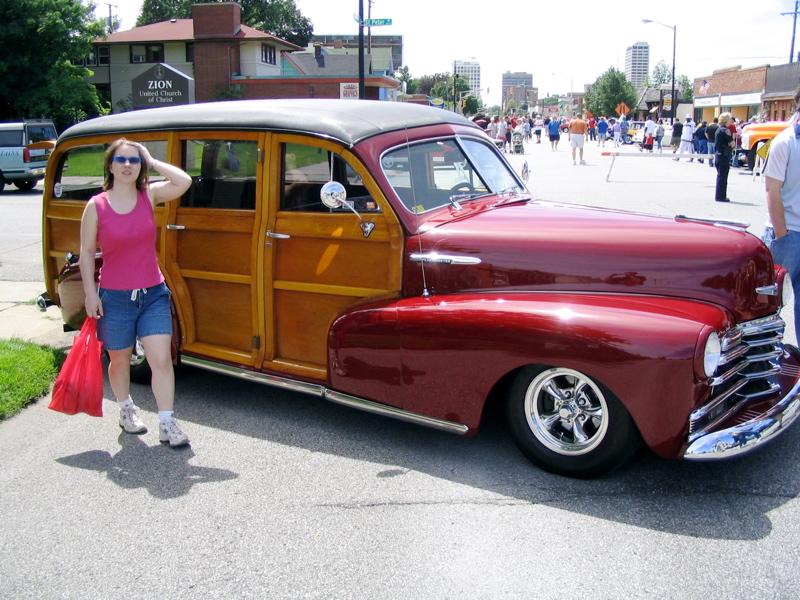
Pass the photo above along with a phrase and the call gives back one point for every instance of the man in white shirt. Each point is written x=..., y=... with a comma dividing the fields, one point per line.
x=687, y=138
x=782, y=176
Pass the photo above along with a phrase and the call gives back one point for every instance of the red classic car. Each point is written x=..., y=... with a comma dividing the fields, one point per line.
x=385, y=256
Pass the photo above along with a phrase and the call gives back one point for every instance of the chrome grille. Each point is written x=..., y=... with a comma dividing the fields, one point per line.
x=748, y=368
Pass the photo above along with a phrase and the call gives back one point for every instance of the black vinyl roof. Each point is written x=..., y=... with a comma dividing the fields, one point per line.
x=347, y=121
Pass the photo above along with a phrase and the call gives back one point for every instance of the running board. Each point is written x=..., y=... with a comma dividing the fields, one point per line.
x=330, y=395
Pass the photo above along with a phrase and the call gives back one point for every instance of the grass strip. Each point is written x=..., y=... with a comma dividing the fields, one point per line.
x=26, y=373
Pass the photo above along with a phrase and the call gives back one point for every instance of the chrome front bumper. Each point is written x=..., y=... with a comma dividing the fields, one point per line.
x=750, y=435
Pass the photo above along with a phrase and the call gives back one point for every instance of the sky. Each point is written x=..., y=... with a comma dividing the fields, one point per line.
x=562, y=49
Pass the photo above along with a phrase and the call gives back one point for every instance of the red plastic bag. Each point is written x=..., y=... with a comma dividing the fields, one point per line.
x=79, y=386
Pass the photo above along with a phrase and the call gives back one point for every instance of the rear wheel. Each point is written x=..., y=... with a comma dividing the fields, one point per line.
x=25, y=184
x=567, y=423
x=751, y=158
x=140, y=370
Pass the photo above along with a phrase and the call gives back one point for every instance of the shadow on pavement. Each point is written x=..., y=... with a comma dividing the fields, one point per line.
x=163, y=471
x=724, y=500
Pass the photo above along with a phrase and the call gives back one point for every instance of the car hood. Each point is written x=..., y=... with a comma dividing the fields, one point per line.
x=541, y=246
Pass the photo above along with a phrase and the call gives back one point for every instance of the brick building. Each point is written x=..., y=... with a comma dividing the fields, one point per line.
x=777, y=102
x=218, y=57
x=733, y=90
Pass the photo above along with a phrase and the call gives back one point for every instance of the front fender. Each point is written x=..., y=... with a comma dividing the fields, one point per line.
x=441, y=356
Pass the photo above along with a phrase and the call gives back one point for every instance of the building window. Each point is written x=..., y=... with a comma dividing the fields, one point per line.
x=268, y=54
x=151, y=53
x=190, y=52
x=103, y=55
x=90, y=60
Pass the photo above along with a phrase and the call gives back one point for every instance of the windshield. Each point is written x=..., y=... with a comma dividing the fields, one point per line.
x=425, y=176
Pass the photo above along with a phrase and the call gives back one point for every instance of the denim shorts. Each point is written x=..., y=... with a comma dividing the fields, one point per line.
x=128, y=314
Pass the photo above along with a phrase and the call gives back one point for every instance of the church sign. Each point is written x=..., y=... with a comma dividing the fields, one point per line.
x=162, y=85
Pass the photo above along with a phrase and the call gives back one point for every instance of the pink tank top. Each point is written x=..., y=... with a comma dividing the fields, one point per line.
x=128, y=243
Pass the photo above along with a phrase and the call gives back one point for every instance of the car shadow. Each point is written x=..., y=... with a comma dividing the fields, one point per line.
x=728, y=500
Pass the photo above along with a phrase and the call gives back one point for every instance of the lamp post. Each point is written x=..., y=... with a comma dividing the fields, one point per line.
x=674, y=40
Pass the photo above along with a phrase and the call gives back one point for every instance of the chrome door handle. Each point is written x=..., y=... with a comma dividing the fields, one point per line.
x=280, y=236
x=175, y=227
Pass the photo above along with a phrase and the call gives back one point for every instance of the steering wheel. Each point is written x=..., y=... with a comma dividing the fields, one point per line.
x=463, y=185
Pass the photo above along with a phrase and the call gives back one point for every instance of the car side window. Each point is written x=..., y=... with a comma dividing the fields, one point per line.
x=81, y=174
x=307, y=168
x=223, y=173
x=426, y=175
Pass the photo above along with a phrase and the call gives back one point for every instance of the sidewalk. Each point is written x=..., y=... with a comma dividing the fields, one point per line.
x=21, y=318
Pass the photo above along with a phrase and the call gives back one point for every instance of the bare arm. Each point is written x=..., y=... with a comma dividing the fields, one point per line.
x=775, y=206
x=178, y=181
x=94, y=308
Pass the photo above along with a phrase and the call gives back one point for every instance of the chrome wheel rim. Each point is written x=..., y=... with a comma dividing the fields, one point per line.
x=566, y=411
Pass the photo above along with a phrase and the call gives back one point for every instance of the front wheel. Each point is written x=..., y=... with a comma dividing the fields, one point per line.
x=568, y=424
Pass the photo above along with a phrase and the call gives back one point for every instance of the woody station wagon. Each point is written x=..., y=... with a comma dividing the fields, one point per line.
x=385, y=256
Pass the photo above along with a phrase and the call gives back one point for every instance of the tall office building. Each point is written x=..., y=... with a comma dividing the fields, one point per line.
x=515, y=80
x=637, y=63
x=472, y=70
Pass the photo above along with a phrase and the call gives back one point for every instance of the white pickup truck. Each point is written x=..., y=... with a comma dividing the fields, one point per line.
x=24, y=150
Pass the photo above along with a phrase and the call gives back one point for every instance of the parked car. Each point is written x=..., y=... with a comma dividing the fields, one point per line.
x=754, y=134
x=635, y=133
x=385, y=256
x=24, y=149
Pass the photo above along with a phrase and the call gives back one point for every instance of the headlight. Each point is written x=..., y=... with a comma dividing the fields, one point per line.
x=786, y=291
x=711, y=354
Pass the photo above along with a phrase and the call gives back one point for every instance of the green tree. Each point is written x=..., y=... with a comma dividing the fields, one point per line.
x=37, y=79
x=684, y=84
x=661, y=74
x=425, y=84
x=472, y=106
x=450, y=88
x=610, y=89
x=278, y=17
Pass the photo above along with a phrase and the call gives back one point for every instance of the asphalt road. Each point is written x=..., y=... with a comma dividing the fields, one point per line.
x=283, y=495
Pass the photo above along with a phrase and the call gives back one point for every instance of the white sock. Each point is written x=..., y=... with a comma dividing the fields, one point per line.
x=164, y=415
x=127, y=403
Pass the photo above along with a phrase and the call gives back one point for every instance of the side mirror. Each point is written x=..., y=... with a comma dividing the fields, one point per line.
x=526, y=172
x=333, y=195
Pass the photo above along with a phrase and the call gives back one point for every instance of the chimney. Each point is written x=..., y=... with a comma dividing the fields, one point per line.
x=217, y=19
x=317, y=50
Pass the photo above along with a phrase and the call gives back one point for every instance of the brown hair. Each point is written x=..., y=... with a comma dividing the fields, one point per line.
x=144, y=178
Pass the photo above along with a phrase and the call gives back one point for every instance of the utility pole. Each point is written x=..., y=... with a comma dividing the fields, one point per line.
x=361, y=84
x=794, y=28
x=110, y=18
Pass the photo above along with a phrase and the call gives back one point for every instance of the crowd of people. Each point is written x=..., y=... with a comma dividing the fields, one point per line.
x=716, y=140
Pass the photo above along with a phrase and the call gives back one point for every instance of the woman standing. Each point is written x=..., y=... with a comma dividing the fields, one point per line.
x=723, y=140
x=132, y=299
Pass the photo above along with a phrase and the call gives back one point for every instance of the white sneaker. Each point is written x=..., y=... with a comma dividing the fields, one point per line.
x=583, y=162
x=169, y=432
x=129, y=420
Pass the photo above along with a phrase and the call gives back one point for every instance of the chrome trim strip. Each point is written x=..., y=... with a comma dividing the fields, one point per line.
x=396, y=413
x=445, y=259
x=737, y=225
x=330, y=395
x=272, y=380
x=768, y=290
x=747, y=436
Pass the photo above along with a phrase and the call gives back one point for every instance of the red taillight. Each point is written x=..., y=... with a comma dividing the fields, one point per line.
x=26, y=155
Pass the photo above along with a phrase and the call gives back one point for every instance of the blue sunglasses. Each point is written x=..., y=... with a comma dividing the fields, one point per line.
x=134, y=160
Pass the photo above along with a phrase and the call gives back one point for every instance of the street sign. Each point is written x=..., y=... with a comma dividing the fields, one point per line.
x=376, y=22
